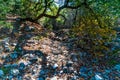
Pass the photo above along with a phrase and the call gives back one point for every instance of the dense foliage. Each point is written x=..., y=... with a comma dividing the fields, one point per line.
x=95, y=26
x=93, y=31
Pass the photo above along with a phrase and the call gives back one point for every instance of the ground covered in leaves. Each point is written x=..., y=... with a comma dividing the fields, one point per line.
x=51, y=55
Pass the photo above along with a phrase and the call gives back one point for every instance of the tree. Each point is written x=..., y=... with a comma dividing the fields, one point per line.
x=34, y=10
x=94, y=26
x=93, y=20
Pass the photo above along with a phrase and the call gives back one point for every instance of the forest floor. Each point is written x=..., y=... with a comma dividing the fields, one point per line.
x=50, y=55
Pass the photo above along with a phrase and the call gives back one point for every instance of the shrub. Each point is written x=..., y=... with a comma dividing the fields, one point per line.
x=94, y=31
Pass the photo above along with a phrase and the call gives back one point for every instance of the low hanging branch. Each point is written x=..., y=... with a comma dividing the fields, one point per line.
x=46, y=6
x=59, y=10
x=44, y=14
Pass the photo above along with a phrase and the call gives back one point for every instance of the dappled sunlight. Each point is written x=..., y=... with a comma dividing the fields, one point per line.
x=59, y=40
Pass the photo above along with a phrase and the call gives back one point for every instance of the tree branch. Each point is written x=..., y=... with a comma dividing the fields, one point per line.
x=41, y=15
x=44, y=14
x=59, y=10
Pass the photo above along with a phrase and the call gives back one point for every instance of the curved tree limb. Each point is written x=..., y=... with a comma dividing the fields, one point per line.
x=59, y=10
x=47, y=4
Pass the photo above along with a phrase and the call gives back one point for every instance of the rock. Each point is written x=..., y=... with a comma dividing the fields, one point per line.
x=27, y=77
x=75, y=72
x=117, y=67
x=70, y=46
x=56, y=52
x=83, y=75
x=13, y=44
x=6, y=43
x=29, y=28
x=6, y=39
x=19, y=78
x=90, y=73
x=4, y=56
x=82, y=54
x=83, y=72
x=74, y=57
x=74, y=77
x=61, y=71
x=34, y=71
x=52, y=34
x=1, y=73
x=40, y=78
x=31, y=55
x=20, y=49
x=106, y=77
x=10, y=77
x=65, y=69
x=83, y=69
x=55, y=66
x=98, y=77
x=6, y=46
x=58, y=38
x=65, y=51
x=42, y=72
x=33, y=60
x=69, y=63
x=7, y=49
x=13, y=55
x=54, y=78
x=27, y=36
x=14, y=65
x=7, y=66
x=71, y=70
x=14, y=72
x=21, y=66
x=24, y=62
x=48, y=57
x=107, y=71
x=39, y=53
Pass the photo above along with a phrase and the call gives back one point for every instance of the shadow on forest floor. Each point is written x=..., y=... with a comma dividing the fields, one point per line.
x=35, y=63
x=19, y=52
